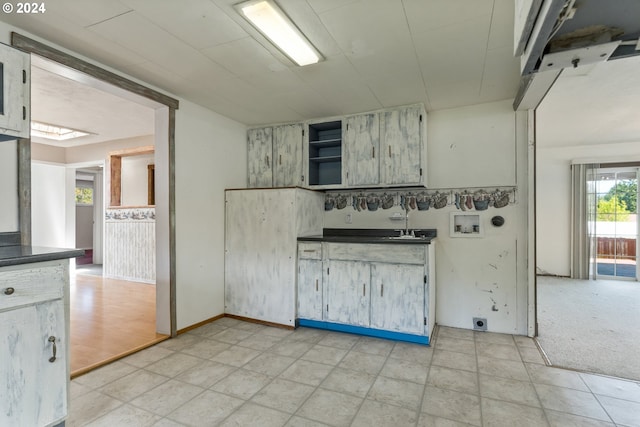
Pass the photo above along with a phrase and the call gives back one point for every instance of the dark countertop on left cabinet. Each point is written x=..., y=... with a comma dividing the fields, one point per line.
x=18, y=254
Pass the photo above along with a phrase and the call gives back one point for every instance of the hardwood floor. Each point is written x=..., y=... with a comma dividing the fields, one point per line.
x=109, y=320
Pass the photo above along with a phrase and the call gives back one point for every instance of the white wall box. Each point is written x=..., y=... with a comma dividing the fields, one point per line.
x=466, y=224
x=260, y=157
x=325, y=153
x=261, y=231
x=372, y=289
x=34, y=329
x=15, y=80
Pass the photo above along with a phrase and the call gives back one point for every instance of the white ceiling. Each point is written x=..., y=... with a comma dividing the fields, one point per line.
x=379, y=53
x=593, y=104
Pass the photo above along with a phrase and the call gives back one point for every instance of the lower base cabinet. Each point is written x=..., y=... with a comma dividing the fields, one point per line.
x=363, y=294
x=33, y=344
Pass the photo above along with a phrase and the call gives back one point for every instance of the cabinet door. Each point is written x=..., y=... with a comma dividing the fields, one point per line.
x=14, y=92
x=35, y=385
x=260, y=157
x=310, y=289
x=347, y=294
x=402, y=144
x=287, y=155
x=362, y=149
x=397, y=297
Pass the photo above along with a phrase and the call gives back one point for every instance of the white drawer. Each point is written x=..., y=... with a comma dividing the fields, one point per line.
x=31, y=285
x=309, y=250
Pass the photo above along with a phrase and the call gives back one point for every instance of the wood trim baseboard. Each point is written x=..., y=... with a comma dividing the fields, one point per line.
x=260, y=322
x=197, y=325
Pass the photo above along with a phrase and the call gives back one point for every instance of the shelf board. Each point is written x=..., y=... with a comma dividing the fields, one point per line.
x=326, y=143
x=325, y=159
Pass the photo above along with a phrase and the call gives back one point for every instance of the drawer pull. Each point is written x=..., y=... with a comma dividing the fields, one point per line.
x=9, y=291
x=308, y=250
x=52, y=339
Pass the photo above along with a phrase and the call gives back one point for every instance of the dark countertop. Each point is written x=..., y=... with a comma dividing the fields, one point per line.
x=385, y=236
x=15, y=255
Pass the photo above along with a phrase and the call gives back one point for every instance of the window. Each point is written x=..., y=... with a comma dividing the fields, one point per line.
x=84, y=192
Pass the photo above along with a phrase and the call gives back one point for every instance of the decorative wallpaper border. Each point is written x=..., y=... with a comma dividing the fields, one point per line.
x=130, y=214
x=478, y=199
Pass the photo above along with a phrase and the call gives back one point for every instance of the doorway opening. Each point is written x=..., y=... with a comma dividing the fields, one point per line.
x=616, y=227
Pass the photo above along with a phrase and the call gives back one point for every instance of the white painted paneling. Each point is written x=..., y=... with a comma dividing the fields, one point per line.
x=287, y=155
x=397, y=297
x=130, y=244
x=472, y=146
x=310, y=289
x=9, y=187
x=361, y=149
x=347, y=298
x=261, y=250
x=260, y=157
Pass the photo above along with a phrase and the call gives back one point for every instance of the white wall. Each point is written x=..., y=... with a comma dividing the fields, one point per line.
x=48, y=205
x=135, y=180
x=211, y=155
x=476, y=277
x=9, y=186
x=553, y=196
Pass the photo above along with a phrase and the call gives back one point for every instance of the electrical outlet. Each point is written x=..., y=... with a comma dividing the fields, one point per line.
x=348, y=219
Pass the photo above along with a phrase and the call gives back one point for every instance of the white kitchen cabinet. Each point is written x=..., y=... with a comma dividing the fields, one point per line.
x=260, y=157
x=347, y=292
x=287, y=155
x=15, y=76
x=33, y=331
x=362, y=149
x=261, y=231
x=310, y=281
x=397, y=297
x=402, y=140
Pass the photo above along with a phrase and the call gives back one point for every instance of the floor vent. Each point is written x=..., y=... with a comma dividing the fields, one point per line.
x=479, y=324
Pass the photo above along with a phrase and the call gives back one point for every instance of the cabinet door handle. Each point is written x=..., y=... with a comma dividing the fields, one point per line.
x=280, y=159
x=268, y=165
x=373, y=152
x=389, y=151
x=364, y=289
x=9, y=291
x=52, y=339
x=316, y=285
x=382, y=290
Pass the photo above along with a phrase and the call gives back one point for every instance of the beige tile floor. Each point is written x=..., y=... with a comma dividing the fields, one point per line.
x=233, y=373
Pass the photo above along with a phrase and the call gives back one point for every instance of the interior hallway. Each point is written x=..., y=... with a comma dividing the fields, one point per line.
x=109, y=319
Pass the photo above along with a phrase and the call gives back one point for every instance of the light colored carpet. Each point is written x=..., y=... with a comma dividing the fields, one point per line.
x=591, y=325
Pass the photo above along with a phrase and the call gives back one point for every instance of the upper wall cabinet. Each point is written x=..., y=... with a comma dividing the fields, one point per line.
x=287, y=155
x=15, y=78
x=275, y=156
x=402, y=133
x=260, y=157
x=324, y=153
x=362, y=149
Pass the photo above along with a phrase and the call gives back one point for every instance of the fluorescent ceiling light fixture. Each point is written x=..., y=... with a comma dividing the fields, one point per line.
x=57, y=133
x=272, y=22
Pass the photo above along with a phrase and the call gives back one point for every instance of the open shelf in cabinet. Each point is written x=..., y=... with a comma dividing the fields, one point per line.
x=325, y=153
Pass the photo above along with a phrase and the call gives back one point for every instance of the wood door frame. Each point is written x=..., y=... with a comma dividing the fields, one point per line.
x=125, y=85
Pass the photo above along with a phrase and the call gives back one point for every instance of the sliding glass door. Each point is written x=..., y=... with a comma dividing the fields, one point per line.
x=616, y=227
